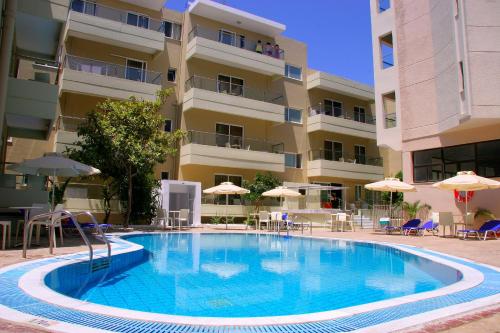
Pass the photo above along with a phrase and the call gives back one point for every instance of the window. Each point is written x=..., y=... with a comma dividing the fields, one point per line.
x=333, y=151
x=230, y=85
x=441, y=163
x=164, y=175
x=358, y=190
x=241, y=41
x=167, y=127
x=383, y=5
x=85, y=7
x=293, y=115
x=333, y=108
x=135, y=70
x=172, y=30
x=138, y=20
x=227, y=37
x=360, y=154
x=386, y=51
x=293, y=160
x=293, y=72
x=359, y=114
x=233, y=199
x=229, y=136
x=171, y=74
x=389, y=104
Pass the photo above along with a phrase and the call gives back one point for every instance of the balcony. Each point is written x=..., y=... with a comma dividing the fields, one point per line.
x=339, y=85
x=325, y=163
x=326, y=119
x=102, y=79
x=32, y=99
x=107, y=25
x=213, y=149
x=224, y=97
x=236, y=51
x=66, y=132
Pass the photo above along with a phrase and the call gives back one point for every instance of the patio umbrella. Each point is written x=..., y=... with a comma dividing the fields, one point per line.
x=467, y=181
x=53, y=164
x=281, y=192
x=390, y=185
x=226, y=188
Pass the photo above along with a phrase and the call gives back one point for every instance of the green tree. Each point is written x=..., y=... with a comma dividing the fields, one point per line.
x=125, y=140
x=260, y=184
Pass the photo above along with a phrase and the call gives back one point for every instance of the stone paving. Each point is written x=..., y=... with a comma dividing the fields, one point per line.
x=487, y=252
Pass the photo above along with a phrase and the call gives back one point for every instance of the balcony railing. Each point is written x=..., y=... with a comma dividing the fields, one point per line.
x=390, y=120
x=239, y=41
x=114, y=14
x=113, y=70
x=69, y=123
x=232, y=141
x=224, y=87
x=330, y=155
x=340, y=113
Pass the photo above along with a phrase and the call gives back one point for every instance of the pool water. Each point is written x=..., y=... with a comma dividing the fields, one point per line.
x=251, y=275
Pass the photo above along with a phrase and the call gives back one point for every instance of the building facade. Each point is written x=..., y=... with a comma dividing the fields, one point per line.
x=437, y=78
x=242, y=92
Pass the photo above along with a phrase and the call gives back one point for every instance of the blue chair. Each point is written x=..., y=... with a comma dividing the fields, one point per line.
x=428, y=226
x=404, y=228
x=492, y=226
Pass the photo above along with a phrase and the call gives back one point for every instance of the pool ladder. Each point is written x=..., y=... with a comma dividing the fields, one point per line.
x=55, y=219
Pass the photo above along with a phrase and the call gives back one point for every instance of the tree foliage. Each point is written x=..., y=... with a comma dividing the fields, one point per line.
x=260, y=184
x=397, y=197
x=412, y=209
x=125, y=140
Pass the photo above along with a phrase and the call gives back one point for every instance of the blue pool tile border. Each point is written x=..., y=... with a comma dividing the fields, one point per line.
x=14, y=297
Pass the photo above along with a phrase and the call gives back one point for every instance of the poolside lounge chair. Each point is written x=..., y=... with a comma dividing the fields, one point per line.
x=404, y=228
x=490, y=227
x=264, y=219
x=429, y=226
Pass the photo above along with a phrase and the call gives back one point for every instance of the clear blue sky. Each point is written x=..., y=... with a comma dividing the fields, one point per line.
x=337, y=32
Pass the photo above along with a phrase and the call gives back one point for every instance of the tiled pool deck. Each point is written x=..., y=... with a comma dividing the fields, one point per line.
x=20, y=305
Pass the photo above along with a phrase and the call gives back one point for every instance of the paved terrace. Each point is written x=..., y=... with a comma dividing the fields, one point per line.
x=487, y=252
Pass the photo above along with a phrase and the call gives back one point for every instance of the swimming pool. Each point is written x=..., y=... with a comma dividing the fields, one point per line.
x=254, y=275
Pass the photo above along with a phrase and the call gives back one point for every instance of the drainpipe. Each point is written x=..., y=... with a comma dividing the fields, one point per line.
x=5, y=54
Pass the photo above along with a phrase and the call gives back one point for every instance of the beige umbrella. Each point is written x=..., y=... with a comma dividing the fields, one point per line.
x=467, y=181
x=226, y=188
x=390, y=185
x=281, y=192
x=54, y=164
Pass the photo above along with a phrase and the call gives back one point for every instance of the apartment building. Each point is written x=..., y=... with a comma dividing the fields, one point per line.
x=437, y=78
x=243, y=94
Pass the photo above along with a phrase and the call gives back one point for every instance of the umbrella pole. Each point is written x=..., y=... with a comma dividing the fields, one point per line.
x=227, y=203
x=390, y=208
x=53, y=189
x=466, y=209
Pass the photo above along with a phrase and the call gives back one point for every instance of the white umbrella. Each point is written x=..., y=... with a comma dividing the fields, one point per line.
x=281, y=192
x=467, y=181
x=390, y=185
x=53, y=164
x=226, y=188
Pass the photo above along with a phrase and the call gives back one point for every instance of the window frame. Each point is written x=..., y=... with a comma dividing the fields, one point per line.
x=298, y=158
x=175, y=74
x=356, y=155
x=171, y=125
x=165, y=172
x=138, y=16
x=333, y=151
x=229, y=32
x=359, y=107
x=143, y=70
x=333, y=101
x=356, y=187
x=242, y=138
x=172, y=24
x=288, y=75
x=231, y=77
x=287, y=115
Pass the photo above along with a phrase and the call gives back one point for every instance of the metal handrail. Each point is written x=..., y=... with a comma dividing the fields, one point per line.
x=332, y=155
x=321, y=108
x=53, y=221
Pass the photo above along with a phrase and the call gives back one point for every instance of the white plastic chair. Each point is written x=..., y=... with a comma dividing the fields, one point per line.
x=446, y=220
x=264, y=218
x=183, y=217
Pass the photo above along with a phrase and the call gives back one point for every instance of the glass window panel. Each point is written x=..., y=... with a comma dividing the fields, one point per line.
x=290, y=160
x=293, y=72
x=436, y=173
x=467, y=166
x=132, y=19
x=450, y=170
x=171, y=74
x=426, y=157
x=168, y=27
x=293, y=115
x=168, y=125
x=226, y=37
x=420, y=174
x=458, y=153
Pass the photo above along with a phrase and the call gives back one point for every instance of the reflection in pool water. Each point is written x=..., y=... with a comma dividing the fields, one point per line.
x=249, y=275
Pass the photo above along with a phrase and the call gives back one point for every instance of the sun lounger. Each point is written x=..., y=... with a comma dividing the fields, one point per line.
x=404, y=228
x=429, y=226
x=490, y=227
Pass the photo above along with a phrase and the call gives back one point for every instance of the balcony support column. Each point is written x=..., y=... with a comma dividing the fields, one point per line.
x=6, y=45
